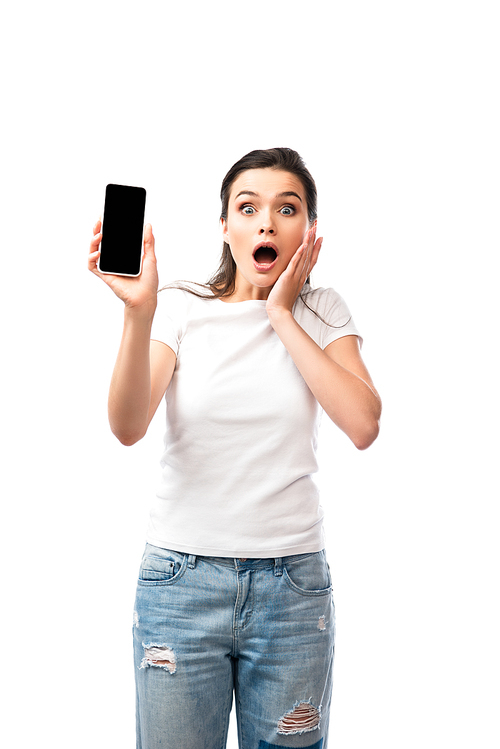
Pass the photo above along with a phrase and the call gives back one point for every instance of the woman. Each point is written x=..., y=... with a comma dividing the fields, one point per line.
x=234, y=591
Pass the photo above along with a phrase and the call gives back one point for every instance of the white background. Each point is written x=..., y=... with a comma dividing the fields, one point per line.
x=394, y=106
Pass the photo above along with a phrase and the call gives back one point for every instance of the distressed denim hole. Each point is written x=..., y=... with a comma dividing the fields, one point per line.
x=304, y=717
x=160, y=656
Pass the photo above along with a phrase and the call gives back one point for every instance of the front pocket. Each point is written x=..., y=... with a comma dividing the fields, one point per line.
x=161, y=566
x=309, y=576
x=155, y=569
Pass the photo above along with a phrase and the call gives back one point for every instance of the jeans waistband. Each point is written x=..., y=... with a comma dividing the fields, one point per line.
x=244, y=564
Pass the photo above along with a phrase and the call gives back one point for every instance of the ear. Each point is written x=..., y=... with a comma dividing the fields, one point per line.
x=225, y=232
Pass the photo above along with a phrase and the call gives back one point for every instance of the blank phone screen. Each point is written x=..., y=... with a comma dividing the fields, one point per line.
x=122, y=226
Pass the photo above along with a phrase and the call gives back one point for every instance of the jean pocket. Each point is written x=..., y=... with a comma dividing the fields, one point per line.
x=309, y=575
x=161, y=566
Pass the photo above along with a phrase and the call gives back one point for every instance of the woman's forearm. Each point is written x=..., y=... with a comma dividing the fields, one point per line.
x=347, y=399
x=130, y=389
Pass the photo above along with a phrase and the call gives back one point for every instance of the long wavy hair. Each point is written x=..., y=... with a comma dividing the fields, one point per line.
x=222, y=282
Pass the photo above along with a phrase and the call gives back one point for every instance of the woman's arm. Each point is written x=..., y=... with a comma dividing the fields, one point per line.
x=338, y=379
x=142, y=373
x=143, y=368
x=336, y=376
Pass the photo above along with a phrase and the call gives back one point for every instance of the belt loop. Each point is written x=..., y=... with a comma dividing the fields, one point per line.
x=192, y=561
x=278, y=566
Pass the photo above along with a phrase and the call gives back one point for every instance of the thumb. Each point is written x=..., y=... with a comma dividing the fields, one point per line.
x=149, y=240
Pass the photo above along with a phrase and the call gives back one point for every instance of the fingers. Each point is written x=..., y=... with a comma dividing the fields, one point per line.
x=97, y=232
x=94, y=247
x=315, y=253
x=307, y=255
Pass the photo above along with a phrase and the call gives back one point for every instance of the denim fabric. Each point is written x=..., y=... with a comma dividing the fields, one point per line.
x=208, y=627
x=265, y=745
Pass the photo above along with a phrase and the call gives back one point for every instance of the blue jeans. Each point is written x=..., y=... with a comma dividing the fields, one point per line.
x=205, y=627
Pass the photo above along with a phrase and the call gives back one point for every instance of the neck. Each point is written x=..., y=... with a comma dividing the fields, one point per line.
x=244, y=291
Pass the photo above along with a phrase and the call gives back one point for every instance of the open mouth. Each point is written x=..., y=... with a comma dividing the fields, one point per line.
x=265, y=256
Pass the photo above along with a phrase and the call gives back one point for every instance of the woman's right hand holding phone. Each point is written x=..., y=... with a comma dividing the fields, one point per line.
x=138, y=292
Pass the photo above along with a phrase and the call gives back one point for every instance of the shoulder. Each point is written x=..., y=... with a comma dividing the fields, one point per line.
x=324, y=314
x=178, y=290
x=325, y=302
x=176, y=306
x=180, y=295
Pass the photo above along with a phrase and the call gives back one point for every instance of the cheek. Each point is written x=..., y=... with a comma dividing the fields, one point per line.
x=297, y=236
x=234, y=231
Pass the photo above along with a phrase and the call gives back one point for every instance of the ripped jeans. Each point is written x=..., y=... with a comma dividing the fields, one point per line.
x=208, y=627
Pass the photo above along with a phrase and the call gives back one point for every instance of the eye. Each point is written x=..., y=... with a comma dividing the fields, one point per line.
x=247, y=210
x=287, y=210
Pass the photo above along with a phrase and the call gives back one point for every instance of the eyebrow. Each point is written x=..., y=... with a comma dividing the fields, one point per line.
x=287, y=194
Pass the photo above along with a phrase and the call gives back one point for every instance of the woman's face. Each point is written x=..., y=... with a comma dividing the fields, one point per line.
x=266, y=224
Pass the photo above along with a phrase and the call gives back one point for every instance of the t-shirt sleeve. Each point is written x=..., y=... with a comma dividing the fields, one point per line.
x=335, y=311
x=332, y=320
x=169, y=316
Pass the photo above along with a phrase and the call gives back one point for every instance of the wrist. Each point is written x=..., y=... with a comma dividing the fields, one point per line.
x=279, y=316
x=140, y=314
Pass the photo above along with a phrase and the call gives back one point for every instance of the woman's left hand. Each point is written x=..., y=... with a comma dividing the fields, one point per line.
x=289, y=285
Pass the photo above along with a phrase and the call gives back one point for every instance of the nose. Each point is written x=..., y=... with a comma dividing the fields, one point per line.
x=267, y=225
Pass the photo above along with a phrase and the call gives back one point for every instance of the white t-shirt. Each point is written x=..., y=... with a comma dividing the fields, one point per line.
x=242, y=426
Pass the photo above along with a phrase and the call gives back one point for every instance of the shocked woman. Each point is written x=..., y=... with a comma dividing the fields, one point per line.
x=234, y=591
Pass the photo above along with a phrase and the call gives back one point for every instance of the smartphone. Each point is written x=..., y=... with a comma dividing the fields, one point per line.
x=122, y=230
